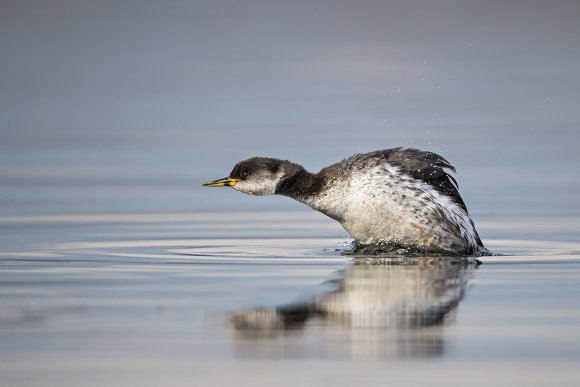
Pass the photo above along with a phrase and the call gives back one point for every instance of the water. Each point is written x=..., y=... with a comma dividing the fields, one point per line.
x=149, y=299
x=118, y=268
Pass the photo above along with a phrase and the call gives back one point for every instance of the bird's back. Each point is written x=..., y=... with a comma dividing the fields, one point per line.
x=401, y=196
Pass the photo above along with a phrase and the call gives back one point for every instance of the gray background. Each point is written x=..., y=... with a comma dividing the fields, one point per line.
x=128, y=106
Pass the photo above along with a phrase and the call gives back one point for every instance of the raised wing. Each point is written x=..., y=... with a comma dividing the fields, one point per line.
x=425, y=166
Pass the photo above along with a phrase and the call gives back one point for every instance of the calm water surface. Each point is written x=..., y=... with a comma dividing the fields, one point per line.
x=114, y=272
x=199, y=299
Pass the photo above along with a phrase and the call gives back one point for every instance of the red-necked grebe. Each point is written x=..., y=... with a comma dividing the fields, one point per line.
x=394, y=196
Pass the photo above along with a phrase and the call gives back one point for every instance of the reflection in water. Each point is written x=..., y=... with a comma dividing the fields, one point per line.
x=379, y=307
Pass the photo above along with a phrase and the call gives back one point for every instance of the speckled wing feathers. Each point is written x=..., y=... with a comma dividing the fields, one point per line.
x=420, y=165
x=398, y=194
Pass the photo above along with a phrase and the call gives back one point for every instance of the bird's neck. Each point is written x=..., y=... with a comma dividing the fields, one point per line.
x=298, y=184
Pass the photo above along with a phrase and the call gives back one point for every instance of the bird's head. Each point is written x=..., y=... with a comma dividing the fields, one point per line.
x=255, y=176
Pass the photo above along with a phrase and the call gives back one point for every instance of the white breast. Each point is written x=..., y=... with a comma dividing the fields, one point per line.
x=382, y=205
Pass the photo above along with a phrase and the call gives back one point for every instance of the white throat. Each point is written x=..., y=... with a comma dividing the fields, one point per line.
x=263, y=184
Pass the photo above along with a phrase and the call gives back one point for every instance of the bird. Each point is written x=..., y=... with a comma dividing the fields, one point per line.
x=401, y=197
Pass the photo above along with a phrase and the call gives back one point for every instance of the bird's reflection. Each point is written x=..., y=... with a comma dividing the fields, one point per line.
x=379, y=307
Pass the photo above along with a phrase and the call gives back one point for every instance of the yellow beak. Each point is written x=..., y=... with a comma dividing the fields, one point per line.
x=225, y=182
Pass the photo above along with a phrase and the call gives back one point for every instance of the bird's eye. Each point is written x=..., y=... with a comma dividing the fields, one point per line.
x=244, y=175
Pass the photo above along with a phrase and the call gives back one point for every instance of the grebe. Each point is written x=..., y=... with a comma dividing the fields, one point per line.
x=401, y=197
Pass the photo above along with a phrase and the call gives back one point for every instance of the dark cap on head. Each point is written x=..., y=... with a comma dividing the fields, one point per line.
x=248, y=167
